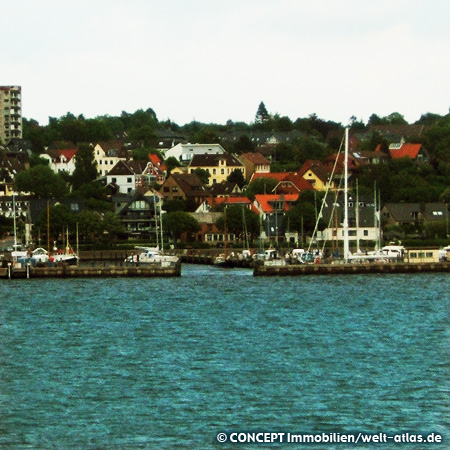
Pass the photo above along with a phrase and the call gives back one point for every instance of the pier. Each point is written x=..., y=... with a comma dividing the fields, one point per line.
x=349, y=269
x=151, y=271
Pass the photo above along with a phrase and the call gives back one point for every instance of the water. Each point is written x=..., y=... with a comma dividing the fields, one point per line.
x=169, y=363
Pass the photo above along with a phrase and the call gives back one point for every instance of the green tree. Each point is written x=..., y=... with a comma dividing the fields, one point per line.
x=178, y=222
x=237, y=220
x=85, y=166
x=111, y=225
x=174, y=205
x=260, y=186
x=237, y=177
x=171, y=163
x=60, y=218
x=41, y=181
x=261, y=114
x=203, y=174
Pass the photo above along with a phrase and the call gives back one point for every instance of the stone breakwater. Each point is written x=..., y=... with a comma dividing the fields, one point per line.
x=90, y=272
x=348, y=269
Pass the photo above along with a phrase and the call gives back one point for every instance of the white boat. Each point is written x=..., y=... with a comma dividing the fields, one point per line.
x=444, y=253
x=151, y=255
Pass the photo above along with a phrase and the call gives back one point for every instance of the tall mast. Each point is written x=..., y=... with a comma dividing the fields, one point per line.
x=357, y=217
x=346, y=244
x=14, y=217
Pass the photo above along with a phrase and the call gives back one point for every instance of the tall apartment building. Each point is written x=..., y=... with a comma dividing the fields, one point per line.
x=10, y=113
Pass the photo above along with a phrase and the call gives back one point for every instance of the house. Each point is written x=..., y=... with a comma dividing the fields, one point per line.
x=167, y=139
x=185, y=152
x=254, y=163
x=61, y=160
x=11, y=163
x=128, y=176
x=288, y=182
x=225, y=189
x=272, y=208
x=363, y=222
x=219, y=166
x=317, y=175
x=139, y=213
x=187, y=187
x=413, y=213
x=366, y=157
x=209, y=232
x=406, y=150
x=108, y=154
x=157, y=168
x=212, y=203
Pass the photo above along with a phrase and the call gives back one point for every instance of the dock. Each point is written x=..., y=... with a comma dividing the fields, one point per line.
x=30, y=272
x=350, y=269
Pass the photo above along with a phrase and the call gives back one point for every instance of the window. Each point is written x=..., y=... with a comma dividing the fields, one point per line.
x=129, y=180
x=214, y=171
x=114, y=180
x=366, y=232
x=222, y=171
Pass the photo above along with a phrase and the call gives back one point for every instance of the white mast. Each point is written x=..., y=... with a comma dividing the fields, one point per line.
x=346, y=244
x=14, y=217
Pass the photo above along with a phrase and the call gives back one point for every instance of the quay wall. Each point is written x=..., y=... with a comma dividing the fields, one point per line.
x=348, y=269
x=90, y=272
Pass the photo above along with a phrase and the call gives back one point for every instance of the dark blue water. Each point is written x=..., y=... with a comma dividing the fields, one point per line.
x=169, y=363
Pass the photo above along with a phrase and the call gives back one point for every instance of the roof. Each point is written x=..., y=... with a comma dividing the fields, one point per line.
x=224, y=188
x=405, y=212
x=68, y=154
x=213, y=202
x=212, y=160
x=190, y=183
x=128, y=168
x=256, y=158
x=293, y=178
x=317, y=167
x=406, y=151
x=266, y=201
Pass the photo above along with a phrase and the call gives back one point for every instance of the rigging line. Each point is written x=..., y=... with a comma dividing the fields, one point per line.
x=326, y=193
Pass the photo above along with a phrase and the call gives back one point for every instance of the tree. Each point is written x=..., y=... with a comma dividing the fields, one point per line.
x=178, y=222
x=41, y=181
x=243, y=145
x=60, y=219
x=171, y=163
x=174, y=205
x=203, y=174
x=235, y=216
x=260, y=186
x=237, y=177
x=261, y=114
x=85, y=166
x=112, y=225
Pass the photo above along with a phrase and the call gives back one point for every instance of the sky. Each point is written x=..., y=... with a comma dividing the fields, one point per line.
x=214, y=61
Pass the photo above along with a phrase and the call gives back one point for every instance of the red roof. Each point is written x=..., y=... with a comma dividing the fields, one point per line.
x=406, y=151
x=215, y=201
x=266, y=200
x=68, y=154
x=297, y=182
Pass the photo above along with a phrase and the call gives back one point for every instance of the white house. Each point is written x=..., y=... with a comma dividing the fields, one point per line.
x=185, y=152
x=107, y=155
x=61, y=160
x=128, y=176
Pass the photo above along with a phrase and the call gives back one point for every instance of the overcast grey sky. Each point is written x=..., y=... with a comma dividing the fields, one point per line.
x=212, y=61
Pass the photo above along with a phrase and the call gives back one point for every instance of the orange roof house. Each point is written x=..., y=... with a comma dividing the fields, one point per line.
x=288, y=182
x=405, y=150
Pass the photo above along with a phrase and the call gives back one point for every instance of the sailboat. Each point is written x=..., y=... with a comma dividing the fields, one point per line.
x=154, y=255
